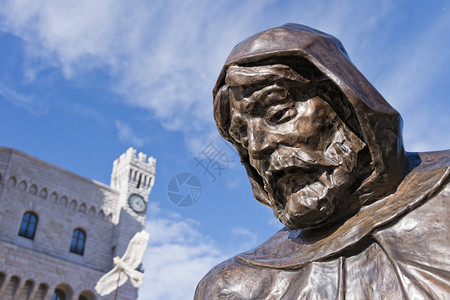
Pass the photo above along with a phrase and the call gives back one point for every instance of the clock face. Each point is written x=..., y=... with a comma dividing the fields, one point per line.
x=137, y=203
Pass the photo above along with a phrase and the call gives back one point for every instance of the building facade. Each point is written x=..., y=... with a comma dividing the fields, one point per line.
x=59, y=231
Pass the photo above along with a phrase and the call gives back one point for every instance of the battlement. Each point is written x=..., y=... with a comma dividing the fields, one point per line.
x=130, y=158
x=133, y=173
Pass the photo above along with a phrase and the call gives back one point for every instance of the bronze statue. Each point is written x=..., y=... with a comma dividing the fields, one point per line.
x=322, y=148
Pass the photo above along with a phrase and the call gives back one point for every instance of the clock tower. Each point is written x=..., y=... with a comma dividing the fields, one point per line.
x=133, y=177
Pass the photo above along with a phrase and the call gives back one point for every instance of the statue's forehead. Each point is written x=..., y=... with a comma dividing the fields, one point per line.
x=258, y=75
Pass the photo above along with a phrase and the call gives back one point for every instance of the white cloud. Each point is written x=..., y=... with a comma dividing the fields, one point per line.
x=163, y=56
x=31, y=104
x=153, y=209
x=127, y=135
x=88, y=112
x=409, y=82
x=178, y=256
x=415, y=63
x=244, y=239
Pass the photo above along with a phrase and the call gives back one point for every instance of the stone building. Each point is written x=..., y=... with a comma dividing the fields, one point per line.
x=59, y=231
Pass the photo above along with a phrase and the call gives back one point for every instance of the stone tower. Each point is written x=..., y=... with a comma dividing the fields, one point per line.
x=133, y=177
x=60, y=231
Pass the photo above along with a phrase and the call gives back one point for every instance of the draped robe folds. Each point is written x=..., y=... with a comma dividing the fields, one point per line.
x=396, y=248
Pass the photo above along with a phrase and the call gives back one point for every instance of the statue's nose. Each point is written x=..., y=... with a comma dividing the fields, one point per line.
x=260, y=143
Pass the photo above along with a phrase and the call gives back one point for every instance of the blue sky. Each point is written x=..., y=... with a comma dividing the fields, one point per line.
x=81, y=81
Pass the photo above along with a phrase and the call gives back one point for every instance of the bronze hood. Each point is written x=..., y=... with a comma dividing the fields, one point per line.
x=379, y=124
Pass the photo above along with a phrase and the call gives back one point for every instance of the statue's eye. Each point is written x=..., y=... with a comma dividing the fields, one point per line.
x=238, y=131
x=280, y=114
x=243, y=135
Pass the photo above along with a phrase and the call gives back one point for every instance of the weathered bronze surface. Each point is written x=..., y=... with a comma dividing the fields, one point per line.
x=322, y=148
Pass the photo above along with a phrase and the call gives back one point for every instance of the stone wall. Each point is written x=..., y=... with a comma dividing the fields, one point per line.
x=63, y=201
x=37, y=275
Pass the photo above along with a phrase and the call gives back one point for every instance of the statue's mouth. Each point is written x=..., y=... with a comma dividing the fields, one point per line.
x=289, y=157
x=299, y=185
x=312, y=181
x=290, y=170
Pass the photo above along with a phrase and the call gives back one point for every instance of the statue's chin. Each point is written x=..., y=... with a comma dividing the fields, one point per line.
x=303, y=219
x=303, y=211
x=307, y=207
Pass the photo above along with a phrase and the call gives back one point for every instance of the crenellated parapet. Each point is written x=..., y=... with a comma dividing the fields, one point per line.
x=133, y=172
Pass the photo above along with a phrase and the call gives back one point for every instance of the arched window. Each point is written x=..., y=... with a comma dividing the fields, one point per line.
x=41, y=291
x=87, y=295
x=11, y=287
x=78, y=241
x=58, y=295
x=28, y=225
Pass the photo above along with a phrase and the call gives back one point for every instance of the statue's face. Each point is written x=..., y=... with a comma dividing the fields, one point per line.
x=304, y=153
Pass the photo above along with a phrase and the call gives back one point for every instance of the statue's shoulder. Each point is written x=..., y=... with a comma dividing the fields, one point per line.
x=418, y=240
x=233, y=279
x=424, y=219
x=433, y=160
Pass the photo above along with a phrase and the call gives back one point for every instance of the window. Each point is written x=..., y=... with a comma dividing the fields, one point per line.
x=28, y=225
x=87, y=295
x=78, y=241
x=58, y=295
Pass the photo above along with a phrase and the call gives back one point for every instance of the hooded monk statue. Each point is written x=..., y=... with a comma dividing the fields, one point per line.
x=323, y=149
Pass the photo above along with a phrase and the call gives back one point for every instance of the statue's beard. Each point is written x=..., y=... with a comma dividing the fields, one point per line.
x=305, y=186
x=308, y=199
